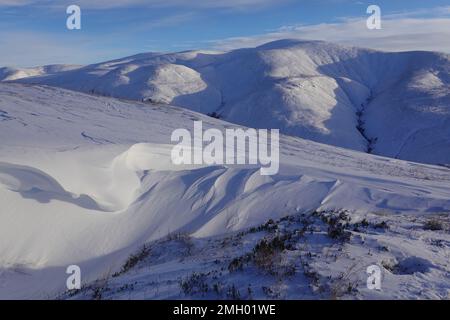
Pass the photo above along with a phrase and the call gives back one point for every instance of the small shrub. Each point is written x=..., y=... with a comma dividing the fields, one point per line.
x=233, y=293
x=390, y=264
x=249, y=292
x=269, y=226
x=434, y=225
x=336, y=230
x=237, y=264
x=364, y=223
x=311, y=274
x=195, y=283
x=381, y=225
x=345, y=283
x=270, y=292
x=214, y=115
x=133, y=260
x=338, y=222
x=99, y=288
x=218, y=288
x=184, y=239
x=265, y=252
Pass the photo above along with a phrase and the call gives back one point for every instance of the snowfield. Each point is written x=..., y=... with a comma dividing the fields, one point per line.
x=391, y=104
x=88, y=180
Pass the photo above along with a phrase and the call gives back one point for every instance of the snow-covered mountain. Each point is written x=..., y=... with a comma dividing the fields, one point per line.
x=391, y=104
x=86, y=177
x=11, y=74
x=87, y=180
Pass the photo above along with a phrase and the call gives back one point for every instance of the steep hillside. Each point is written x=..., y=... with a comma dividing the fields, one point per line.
x=392, y=104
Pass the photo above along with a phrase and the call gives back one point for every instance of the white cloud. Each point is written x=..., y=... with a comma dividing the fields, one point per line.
x=402, y=34
x=163, y=22
x=441, y=11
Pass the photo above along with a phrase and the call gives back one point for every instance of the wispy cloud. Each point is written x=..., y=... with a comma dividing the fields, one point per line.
x=421, y=29
x=163, y=22
x=436, y=12
x=397, y=34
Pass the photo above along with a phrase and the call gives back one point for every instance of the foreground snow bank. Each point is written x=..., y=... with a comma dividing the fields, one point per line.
x=322, y=255
x=87, y=180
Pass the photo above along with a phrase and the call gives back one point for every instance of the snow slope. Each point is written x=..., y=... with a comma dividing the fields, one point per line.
x=10, y=74
x=308, y=259
x=392, y=104
x=87, y=180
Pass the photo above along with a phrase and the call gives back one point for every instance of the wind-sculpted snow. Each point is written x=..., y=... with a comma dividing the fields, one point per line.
x=86, y=180
x=391, y=104
x=33, y=184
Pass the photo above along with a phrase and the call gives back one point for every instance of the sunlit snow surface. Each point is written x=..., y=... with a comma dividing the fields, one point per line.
x=87, y=180
x=308, y=89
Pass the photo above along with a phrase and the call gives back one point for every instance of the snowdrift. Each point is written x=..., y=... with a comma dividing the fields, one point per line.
x=87, y=180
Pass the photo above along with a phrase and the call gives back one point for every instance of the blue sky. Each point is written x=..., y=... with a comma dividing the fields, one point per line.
x=33, y=32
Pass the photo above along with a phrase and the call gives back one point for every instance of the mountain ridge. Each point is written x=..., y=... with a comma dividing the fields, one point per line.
x=387, y=103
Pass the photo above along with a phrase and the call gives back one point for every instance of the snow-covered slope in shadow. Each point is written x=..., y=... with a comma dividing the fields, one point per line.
x=391, y=104
x=104, y=184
